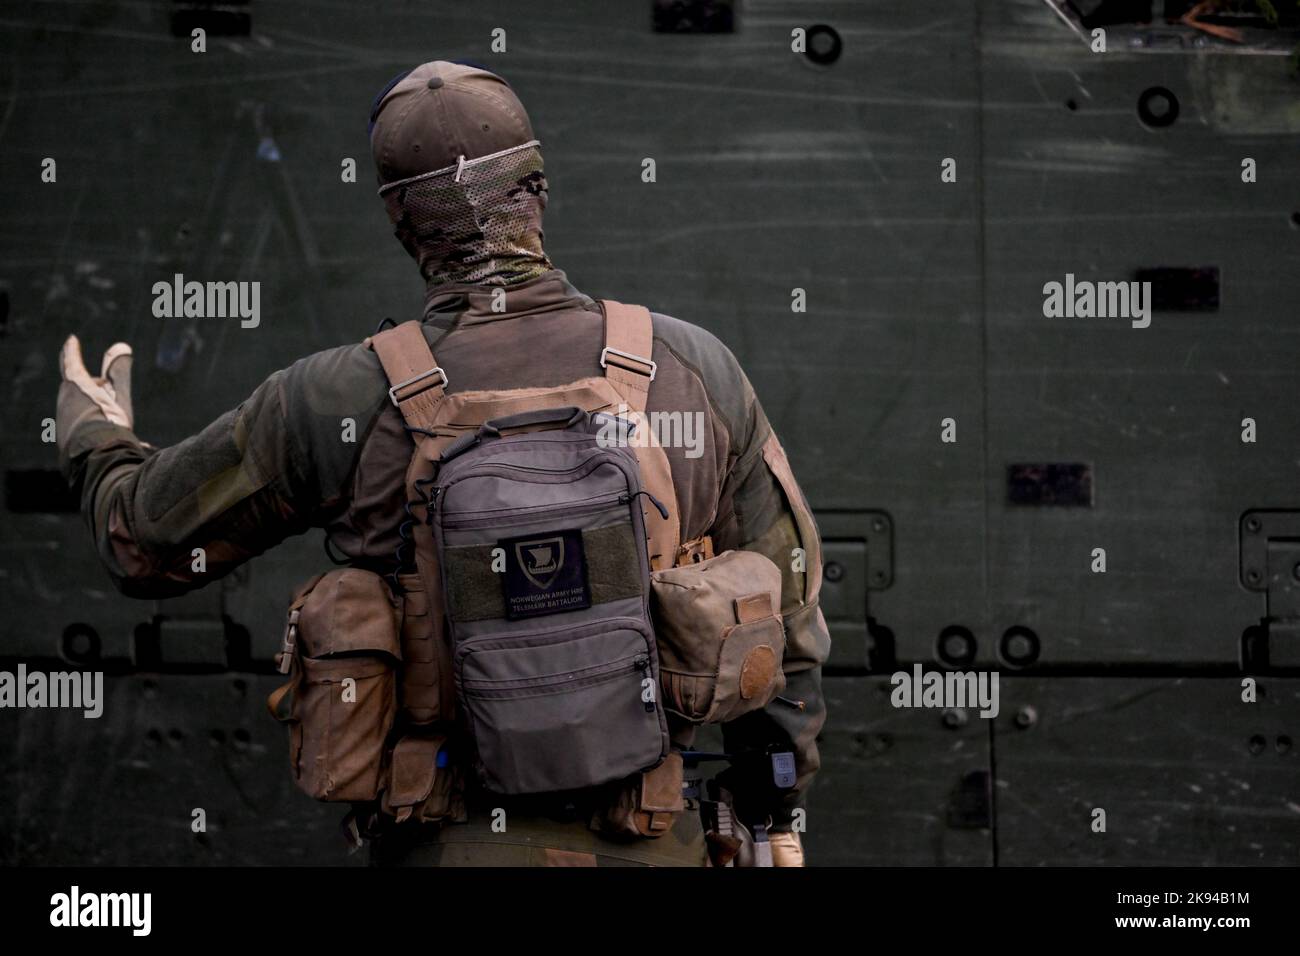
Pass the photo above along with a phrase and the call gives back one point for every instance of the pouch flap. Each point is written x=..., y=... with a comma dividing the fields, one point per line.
x=349, y=610
x=414, y=767
x=696, y=603
x=661, y=788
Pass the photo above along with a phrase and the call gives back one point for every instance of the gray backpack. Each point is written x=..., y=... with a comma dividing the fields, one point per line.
x=541, y=542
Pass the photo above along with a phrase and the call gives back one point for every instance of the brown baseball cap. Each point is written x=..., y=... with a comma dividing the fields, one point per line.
x=439, y=112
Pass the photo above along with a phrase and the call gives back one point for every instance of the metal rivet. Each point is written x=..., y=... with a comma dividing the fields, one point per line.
x=956, y=645
x=824, y=45
x=1020, y=646
x=1157, y=107
x=80, y=644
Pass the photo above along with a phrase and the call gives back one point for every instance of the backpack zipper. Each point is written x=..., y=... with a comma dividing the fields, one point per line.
x=507, y=516
x=576, y=678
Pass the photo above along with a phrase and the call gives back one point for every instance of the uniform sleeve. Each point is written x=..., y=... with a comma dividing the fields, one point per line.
x=252, y=478
x=762, y=509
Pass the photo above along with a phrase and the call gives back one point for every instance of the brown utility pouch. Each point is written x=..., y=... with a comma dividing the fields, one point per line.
x=721, y=639
x=421, y=680
x=418, y=788
x=341, y=647
x=645, y=805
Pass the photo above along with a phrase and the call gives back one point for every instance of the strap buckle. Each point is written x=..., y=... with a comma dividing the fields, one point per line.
x=290, y=640
x=610, y=350
x=392, y=392
x=694, y=551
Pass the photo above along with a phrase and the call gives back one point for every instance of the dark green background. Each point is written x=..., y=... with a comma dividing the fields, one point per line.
x=924, y=303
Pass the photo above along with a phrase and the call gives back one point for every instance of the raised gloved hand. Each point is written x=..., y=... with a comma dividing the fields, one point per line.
x=787, y=849
x=84, y=398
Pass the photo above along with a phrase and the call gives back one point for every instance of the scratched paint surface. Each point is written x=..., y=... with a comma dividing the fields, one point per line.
x=773, y=173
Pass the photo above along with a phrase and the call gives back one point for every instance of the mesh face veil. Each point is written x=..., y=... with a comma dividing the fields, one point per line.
x=477, y=222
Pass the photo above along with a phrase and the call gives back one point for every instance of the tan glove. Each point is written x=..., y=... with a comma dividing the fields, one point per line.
x=787, y=849
x=83, y=397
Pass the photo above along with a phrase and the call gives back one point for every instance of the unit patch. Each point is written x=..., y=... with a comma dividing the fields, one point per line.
x=545, y=574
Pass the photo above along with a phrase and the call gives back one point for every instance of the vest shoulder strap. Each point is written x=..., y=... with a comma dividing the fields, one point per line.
x=415, y=379
x=629, y=347
x=417, y=383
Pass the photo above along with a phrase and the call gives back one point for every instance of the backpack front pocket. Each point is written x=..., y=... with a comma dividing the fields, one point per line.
x=562, y=709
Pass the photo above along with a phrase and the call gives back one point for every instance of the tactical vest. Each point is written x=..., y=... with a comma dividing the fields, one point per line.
x=573, y=634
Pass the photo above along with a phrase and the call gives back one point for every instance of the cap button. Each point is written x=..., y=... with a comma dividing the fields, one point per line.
x=435, y=82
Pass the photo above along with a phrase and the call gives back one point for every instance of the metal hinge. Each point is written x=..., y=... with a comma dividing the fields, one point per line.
x=1270, y=563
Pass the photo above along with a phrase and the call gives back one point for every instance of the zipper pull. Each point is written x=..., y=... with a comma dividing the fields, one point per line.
x=642, y=664
x=659, y=506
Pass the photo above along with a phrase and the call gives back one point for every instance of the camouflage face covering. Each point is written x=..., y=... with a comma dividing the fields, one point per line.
x=477, y=222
